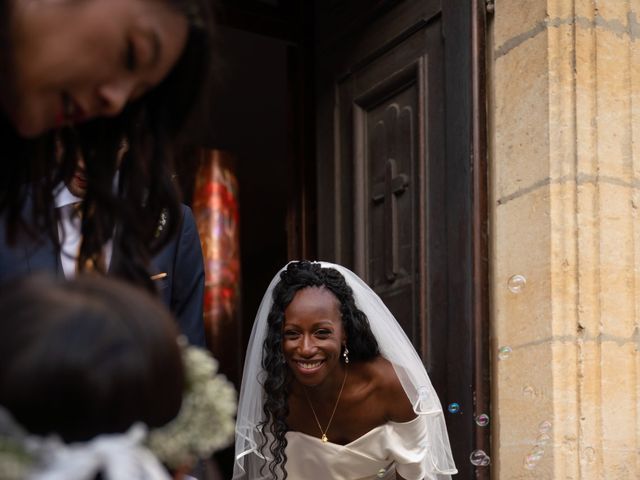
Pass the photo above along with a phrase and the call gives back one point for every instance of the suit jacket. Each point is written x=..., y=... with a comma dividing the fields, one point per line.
x=181, y=289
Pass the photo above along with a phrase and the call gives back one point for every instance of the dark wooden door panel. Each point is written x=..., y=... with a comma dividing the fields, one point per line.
x=390, y=128
x=387, y=196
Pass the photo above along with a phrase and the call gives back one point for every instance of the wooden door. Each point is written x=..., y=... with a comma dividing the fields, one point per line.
x=394, y=184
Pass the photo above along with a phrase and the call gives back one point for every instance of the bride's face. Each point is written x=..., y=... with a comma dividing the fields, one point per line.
x=313, y=335
x=73, y=60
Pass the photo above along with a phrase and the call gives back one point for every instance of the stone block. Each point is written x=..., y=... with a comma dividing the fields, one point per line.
x=613, y=77
x=520, y=115
x=517, y=22
x=536, y=392
x=618, y=399
x=521, y=246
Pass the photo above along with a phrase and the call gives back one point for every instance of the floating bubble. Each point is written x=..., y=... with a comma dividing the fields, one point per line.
x=381, y=473
x=479, y=458
x=530, y=463
x=590, y=454
x=545, y=427
x=537, y=453
x=482, y=420
x=528, y=391
x=517, y=283
x=543, y=439
x=454, y=407
x=504, y=352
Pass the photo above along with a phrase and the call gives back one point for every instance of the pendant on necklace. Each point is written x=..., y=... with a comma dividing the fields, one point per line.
x=324, y=438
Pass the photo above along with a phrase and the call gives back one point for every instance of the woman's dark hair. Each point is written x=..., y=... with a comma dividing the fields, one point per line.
x=86, y=357
x=147, y=206
x=361, y=343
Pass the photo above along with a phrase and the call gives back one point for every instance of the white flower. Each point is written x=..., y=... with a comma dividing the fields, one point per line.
x=206, y=420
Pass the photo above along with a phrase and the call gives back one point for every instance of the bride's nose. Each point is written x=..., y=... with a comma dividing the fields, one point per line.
x=308, y=346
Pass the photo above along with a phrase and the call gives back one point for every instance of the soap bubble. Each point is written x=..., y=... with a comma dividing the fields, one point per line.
x=543, y=439
x=530, y=462
x=479, y=458
x=504, y=352
x=590, y=454
x=454, y=407
x=537, y=453
x=516, y=283
x=482, y=420
x=545, y=427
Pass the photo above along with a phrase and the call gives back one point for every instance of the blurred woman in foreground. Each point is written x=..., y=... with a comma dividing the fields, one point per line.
x=86, y=74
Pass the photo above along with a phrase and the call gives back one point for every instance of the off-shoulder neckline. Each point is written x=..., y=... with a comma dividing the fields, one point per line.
x=357, y=440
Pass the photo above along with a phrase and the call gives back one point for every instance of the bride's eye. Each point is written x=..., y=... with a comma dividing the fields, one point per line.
x=290, y=334
x=323, y=333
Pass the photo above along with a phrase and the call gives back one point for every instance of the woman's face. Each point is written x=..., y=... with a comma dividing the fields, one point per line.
x=74, y=60
x=313, y=335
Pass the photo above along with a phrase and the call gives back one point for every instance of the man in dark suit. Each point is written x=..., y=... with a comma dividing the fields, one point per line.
x=177, y=270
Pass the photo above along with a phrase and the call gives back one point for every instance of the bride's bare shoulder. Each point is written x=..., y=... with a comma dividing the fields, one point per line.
x=388, y=390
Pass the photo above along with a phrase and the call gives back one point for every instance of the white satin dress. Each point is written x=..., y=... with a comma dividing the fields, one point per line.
x=378, y=454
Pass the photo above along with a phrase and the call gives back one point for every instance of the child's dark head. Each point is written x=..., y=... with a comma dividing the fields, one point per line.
x=88, y=356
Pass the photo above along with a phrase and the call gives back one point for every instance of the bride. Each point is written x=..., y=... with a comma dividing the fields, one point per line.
x=340, y=392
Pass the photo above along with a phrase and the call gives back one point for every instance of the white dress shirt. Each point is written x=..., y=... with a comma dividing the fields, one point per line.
x=69, y=233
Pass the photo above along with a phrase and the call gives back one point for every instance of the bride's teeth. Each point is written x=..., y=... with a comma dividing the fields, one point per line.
x=309, y=365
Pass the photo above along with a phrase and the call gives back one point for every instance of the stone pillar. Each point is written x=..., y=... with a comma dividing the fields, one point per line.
x=564, y=177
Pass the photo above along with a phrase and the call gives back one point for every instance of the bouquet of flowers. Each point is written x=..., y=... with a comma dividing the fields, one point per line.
x=206, y=422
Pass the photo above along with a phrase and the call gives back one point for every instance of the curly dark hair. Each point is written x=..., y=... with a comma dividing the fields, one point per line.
x=361, y=342
x=156, y=127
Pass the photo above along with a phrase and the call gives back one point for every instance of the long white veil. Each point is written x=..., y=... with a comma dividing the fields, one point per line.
x=394, y=345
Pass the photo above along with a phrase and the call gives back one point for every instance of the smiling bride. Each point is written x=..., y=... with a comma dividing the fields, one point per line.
x=333, y=388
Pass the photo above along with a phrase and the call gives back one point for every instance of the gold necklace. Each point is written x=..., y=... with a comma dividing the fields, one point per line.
x=324, y=432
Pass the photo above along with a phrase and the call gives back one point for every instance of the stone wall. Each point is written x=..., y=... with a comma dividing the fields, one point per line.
x=564, y=175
